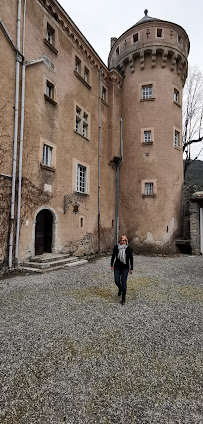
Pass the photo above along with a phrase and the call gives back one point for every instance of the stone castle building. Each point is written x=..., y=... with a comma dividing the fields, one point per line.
x=88, y=150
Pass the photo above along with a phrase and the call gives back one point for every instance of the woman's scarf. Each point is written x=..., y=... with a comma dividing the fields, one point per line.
x=121, y=252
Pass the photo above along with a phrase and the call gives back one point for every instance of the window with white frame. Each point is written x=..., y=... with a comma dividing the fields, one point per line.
x=77, y=65
x=147, y=136
x=47, y=155
x=81, y=122
x=176, y=95
x=81, y=178
x=149, y=189
x=147, y=91
x=50, y=34
x=177, y=138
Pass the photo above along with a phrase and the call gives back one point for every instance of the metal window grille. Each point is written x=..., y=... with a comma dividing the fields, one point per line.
x=147, y=136
x=47, y=155
x=81, y=179
x=147, y=92
x=149, y=188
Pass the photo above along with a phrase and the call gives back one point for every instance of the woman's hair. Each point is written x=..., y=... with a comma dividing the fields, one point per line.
x=125, y=237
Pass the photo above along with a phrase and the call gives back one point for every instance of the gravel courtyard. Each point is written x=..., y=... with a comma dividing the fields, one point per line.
x=72, y=354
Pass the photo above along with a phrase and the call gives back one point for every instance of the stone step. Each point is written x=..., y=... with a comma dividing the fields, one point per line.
x=78, y=262
x=52, y=263
x=50, y=257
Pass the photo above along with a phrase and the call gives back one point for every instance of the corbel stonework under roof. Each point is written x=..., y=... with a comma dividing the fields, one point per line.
x=75, y=35
x=115, y=78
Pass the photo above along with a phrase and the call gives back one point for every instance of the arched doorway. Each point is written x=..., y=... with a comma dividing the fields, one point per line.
x=43, y=232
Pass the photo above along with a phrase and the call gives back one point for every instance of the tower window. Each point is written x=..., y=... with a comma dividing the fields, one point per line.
x=159, y=32
x=117, y=51
x=176, y=96
x=135, y=37
x=177, y=138
x=147, y=91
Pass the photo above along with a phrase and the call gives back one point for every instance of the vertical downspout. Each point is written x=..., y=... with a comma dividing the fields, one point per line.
x=99, y=166
x=15, y=139
x=118, y=165
x=21, y=144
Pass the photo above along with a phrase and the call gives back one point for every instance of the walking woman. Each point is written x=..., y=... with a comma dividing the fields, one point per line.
x=121, y=263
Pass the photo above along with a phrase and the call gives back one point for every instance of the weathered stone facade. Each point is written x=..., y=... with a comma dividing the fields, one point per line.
x=72, y=133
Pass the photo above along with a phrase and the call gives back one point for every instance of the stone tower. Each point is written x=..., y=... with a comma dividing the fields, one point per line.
x=152, y=58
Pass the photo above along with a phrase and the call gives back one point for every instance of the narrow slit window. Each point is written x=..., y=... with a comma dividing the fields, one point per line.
x=159, y=32
x=177, y=138
x=135, y=37
x=176, y=95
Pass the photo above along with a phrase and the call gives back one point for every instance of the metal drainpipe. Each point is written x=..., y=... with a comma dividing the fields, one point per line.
x=21, y=144
x=99, y=166
x=15, y=139
x=118, y=165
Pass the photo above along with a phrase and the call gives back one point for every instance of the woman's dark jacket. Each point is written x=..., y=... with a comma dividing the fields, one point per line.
x=118, y=263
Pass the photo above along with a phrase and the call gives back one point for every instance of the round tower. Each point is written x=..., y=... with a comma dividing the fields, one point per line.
x=152, y=57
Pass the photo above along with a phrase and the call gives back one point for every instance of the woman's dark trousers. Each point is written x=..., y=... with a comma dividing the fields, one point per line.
x=120, y=276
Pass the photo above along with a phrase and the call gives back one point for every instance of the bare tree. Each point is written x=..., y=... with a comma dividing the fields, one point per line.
x=192, y=117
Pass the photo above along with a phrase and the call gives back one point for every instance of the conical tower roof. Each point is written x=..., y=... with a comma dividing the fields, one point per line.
x=146, y=18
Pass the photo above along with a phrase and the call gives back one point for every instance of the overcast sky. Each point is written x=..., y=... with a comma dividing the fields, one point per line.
x=101, y=20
